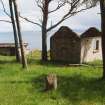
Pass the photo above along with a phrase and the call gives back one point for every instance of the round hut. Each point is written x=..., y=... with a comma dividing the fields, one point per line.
x=65, y=46
x=91, y=48
x=91, y=32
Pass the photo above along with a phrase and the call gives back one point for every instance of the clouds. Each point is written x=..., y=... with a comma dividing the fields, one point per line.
x=84, y=20
x=28, y=9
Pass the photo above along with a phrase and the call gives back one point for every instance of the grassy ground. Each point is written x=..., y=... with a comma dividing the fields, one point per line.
x=76, y=85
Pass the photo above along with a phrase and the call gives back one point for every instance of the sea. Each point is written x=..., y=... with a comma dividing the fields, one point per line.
x=33, y=38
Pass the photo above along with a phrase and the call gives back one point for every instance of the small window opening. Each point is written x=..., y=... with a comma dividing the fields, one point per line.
x=97, y=45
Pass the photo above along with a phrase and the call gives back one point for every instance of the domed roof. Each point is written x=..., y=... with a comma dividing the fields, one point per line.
x=91, y=32
x=65, y=32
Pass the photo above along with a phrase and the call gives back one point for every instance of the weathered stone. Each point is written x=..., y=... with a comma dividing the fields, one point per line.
x=65, y=46
x=51, y=82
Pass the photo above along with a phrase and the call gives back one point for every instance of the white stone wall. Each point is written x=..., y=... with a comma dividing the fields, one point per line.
x=88, y=51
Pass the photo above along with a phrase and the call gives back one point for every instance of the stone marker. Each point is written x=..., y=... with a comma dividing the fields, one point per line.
x=51, y=81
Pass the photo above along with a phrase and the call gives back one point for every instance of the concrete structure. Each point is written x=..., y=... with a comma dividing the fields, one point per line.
x=9, y=48
x=67, y=46
x=91, y=48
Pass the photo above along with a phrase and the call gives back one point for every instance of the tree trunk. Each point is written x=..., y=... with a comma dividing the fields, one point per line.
x=15, y=32
x=44, y=31
x=44, y=45
x=23, y=58
x=102, y=8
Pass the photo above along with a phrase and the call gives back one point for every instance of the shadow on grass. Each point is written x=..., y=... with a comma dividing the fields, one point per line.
x=50, y=63
x=53, y=64
x=15, y=82
x=76, y=88
x=73, y=88
x=7, y=60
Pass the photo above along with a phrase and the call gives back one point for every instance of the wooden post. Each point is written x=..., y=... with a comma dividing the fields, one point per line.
x=15, y=32
x=24, y=61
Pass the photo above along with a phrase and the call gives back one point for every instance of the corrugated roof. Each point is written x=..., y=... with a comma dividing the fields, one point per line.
x=91, y=32
x=10, y=45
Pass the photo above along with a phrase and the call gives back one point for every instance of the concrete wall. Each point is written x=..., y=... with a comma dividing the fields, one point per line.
x=88, y=51
x=11, y=51
x=7, y=51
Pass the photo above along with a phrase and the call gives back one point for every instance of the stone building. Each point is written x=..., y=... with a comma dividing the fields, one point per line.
x=91, y=48
x=9, y=48
x=65, y=46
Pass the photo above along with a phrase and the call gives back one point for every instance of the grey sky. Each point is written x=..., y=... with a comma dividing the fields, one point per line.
x=82, y=21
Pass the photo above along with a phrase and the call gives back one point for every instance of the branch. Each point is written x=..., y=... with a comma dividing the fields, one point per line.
x=4, y=9
x=58, y=7
x=40, y=5
x=68, y=15
x=28, y=20
x=7, y=21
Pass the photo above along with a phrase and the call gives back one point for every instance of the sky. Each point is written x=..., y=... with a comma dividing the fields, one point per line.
x=28, y=8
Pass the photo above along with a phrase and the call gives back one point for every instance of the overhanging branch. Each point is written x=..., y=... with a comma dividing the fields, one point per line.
x=28, y=20
x=4, y=9
x=70, y=13
x=7, y=21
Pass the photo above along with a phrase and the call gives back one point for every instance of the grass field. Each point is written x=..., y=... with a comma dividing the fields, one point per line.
x=76, y=85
